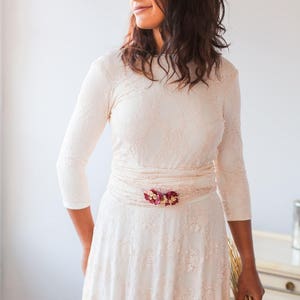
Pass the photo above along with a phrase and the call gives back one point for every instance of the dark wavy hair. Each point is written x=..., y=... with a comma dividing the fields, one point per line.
x=191, y=31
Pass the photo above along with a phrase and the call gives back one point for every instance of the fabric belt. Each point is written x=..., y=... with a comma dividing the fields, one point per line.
x=128, y=184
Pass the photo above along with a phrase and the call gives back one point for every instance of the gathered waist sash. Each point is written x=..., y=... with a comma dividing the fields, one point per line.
x=133, y=185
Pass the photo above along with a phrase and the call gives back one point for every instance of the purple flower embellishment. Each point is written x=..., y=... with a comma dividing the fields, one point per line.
x=156, y=197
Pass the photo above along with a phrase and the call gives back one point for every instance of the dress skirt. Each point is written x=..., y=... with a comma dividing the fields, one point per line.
x=142, y=251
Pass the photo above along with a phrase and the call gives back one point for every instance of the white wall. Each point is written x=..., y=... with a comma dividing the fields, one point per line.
x=1, y=141
x=266, y=51
x=48, y=46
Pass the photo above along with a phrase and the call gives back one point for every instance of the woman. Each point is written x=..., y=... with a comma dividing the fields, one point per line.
x=160, y=230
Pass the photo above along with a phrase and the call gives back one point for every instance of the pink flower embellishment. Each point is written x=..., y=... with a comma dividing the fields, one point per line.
x=156, y=197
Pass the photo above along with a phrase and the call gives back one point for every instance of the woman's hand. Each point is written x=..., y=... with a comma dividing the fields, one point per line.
x=249, y=284
x=84, y=260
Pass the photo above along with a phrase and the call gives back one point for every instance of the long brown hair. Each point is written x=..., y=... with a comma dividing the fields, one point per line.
x=192, y=32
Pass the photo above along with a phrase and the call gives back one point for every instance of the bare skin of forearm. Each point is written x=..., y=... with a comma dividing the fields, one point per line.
x=84, y=224
x=242, y=235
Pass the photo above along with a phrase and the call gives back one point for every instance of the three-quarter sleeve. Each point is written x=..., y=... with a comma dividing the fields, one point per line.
x=84, y=129
x=230, y=167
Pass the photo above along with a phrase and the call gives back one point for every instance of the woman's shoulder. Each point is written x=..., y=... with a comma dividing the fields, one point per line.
x=227, y=68
x=109, y=60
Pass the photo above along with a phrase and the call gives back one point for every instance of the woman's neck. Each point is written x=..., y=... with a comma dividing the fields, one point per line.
x=158, y=39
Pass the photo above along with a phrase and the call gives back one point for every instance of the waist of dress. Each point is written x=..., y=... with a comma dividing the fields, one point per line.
x=161, y=187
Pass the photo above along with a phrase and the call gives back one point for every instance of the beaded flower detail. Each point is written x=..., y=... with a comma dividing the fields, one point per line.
x=156, y=197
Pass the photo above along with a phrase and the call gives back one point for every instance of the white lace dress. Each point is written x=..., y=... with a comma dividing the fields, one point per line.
x=166, y=140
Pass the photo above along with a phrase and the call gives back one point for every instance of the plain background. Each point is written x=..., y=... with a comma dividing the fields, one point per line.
x=46, y=49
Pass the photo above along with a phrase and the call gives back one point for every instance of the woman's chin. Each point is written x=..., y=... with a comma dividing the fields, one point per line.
x=146, y=23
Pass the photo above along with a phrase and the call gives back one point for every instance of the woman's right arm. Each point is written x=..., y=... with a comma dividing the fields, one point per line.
x=84, y=225
x=84, y=129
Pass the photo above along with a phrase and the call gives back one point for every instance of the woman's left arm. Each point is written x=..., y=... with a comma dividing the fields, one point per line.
x=233, y=185
x=249, y=282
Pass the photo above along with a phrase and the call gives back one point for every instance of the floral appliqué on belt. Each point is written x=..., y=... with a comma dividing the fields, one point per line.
x=158, y=198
